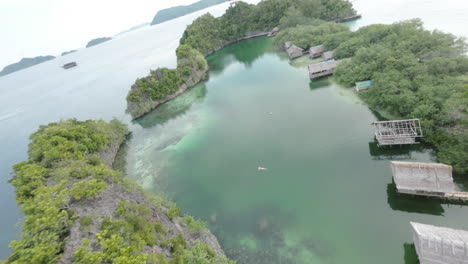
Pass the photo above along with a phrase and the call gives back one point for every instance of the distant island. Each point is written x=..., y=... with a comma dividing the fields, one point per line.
x=178, y=11
x=97, y=41
x=24, y=63
x=67, y=52
x=142, y=25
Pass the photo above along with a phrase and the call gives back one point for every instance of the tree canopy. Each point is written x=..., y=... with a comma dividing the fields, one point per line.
x=416, y=73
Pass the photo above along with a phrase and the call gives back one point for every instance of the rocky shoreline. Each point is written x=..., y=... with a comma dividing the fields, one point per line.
x=139, y=109
x=146, y=104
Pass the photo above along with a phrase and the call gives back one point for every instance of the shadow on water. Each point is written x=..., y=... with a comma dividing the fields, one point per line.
x=402, y=152
x=413, y=203
x=245, y=52
x=174, y=108
x=411, y=257
x=320, y=83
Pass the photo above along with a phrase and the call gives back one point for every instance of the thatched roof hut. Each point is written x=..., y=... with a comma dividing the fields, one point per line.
x=316, y=51
x=433, y=179
x=293, y=50
x=322, y=69
x=440, y=245
x=273, y=32
x=328, y=55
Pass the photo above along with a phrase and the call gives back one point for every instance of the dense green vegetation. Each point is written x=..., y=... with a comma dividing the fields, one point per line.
x=63, y=172
x=24, y=63
x=208, y=33
x=97, y=41
x=163, y=82
x=315, y=33
x=416, y=73
x=178, y=11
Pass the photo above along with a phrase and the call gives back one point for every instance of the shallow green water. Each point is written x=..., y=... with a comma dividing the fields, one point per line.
x=327, y=196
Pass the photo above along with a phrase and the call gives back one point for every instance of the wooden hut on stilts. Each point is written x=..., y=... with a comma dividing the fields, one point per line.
x=440, y=245
x=427, y=179
x=397, y=132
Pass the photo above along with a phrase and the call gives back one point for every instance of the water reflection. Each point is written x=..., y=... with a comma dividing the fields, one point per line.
x=411, y=257
x=320, y=83
x=245, y=52
x=174, y=108
x=394, y=153
x=413, y=203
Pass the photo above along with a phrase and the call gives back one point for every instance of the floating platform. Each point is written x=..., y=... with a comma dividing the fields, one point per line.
x=69, y=65
x=440, y=245
x=397, y=132
x=426, y=179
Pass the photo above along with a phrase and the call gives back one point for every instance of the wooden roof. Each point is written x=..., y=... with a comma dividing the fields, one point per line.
x=440, y=244
x=328, y=55
x=323, y=66
x=419, y=176
x=317, y=49
x=294, y=51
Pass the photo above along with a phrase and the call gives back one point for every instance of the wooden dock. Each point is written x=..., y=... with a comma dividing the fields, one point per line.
x=347, y=19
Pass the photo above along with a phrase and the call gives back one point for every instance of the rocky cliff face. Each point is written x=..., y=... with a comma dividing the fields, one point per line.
x=146, y=104
x=105, y=205
x=79, y=210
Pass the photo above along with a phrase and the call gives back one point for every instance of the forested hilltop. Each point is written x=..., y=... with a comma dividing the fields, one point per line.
x=178, y=11
x=79, y=210
x=97, y=41
x=208, y=34
x=25, y=63
x=416, y=73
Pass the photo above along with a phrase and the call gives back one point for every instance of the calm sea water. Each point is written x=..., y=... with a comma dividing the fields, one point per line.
x=327, y=196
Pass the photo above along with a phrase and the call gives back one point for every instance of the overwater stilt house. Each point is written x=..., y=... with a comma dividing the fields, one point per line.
x=293, y=50
x=328, y=55
x=273, y=32
x=427, y=179
x=364, y=85
x=322, y=69
x=316, y=51
x=440, y=245
x=397, y=132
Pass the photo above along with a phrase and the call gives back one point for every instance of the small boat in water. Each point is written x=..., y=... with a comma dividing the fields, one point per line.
x=70, y=65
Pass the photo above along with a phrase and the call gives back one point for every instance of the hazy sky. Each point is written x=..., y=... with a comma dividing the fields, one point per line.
x=30, y=28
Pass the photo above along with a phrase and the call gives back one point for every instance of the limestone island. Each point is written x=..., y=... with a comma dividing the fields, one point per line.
x=79, y=210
